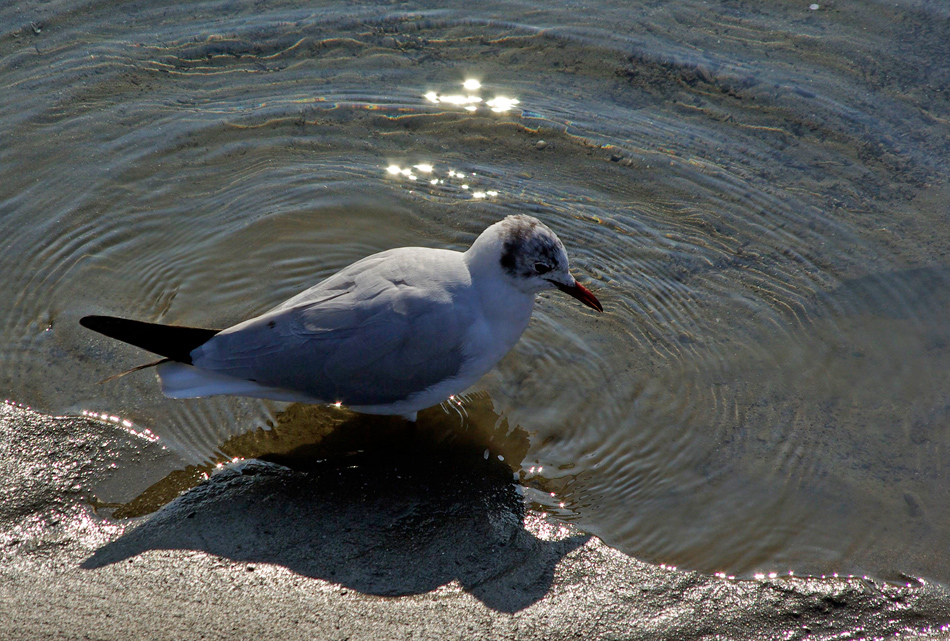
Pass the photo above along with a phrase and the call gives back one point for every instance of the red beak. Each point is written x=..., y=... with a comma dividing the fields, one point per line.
x=581, y=293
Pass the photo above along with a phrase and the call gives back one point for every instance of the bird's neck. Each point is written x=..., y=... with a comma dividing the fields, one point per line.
x=500, y=300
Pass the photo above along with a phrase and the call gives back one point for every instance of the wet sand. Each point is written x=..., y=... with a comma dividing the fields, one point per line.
x=370, y=547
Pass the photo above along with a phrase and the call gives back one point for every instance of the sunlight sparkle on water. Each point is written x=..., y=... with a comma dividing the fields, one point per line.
x=236, y=459
x=457, y=99
x=501, y=104
x=470, y=101
x=124, y=423
x=398, y=171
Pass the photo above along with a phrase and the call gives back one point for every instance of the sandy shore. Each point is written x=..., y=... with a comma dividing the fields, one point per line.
x=366, y=550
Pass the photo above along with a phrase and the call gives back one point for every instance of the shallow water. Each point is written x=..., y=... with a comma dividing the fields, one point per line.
x=758, y=196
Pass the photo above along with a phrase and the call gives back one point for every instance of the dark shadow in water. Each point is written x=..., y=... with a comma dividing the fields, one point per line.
x=412, y=508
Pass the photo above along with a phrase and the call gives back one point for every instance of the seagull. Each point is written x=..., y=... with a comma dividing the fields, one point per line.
x=393, y=333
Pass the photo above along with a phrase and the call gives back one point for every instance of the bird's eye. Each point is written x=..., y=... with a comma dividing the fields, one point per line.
x=541, y=268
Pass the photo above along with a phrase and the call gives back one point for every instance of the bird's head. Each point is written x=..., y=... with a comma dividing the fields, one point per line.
x=531, y=257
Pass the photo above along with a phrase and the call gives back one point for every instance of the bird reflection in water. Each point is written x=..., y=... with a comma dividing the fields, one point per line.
x=465, y=430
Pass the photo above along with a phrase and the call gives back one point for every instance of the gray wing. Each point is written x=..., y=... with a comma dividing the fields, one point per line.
x=368, y=336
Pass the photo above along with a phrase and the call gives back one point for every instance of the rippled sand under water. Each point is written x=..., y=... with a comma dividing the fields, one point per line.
x=757, y=195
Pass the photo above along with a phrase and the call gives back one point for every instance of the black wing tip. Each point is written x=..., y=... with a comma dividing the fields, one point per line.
x=109, y=325
x=93, y=322
x=171, y=341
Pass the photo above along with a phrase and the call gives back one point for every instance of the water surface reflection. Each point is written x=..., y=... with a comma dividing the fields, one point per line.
x=304, y=436
x=757, y=195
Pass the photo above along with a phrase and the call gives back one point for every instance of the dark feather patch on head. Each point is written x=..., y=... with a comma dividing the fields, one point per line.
x=528, y=241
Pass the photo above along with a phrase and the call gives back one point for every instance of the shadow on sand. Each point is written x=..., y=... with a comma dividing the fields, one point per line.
x=374, y=504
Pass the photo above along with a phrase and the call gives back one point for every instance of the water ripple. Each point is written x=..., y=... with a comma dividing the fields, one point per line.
x=753, y=197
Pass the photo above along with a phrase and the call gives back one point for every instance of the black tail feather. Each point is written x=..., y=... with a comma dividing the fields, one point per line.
x=173, y=342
